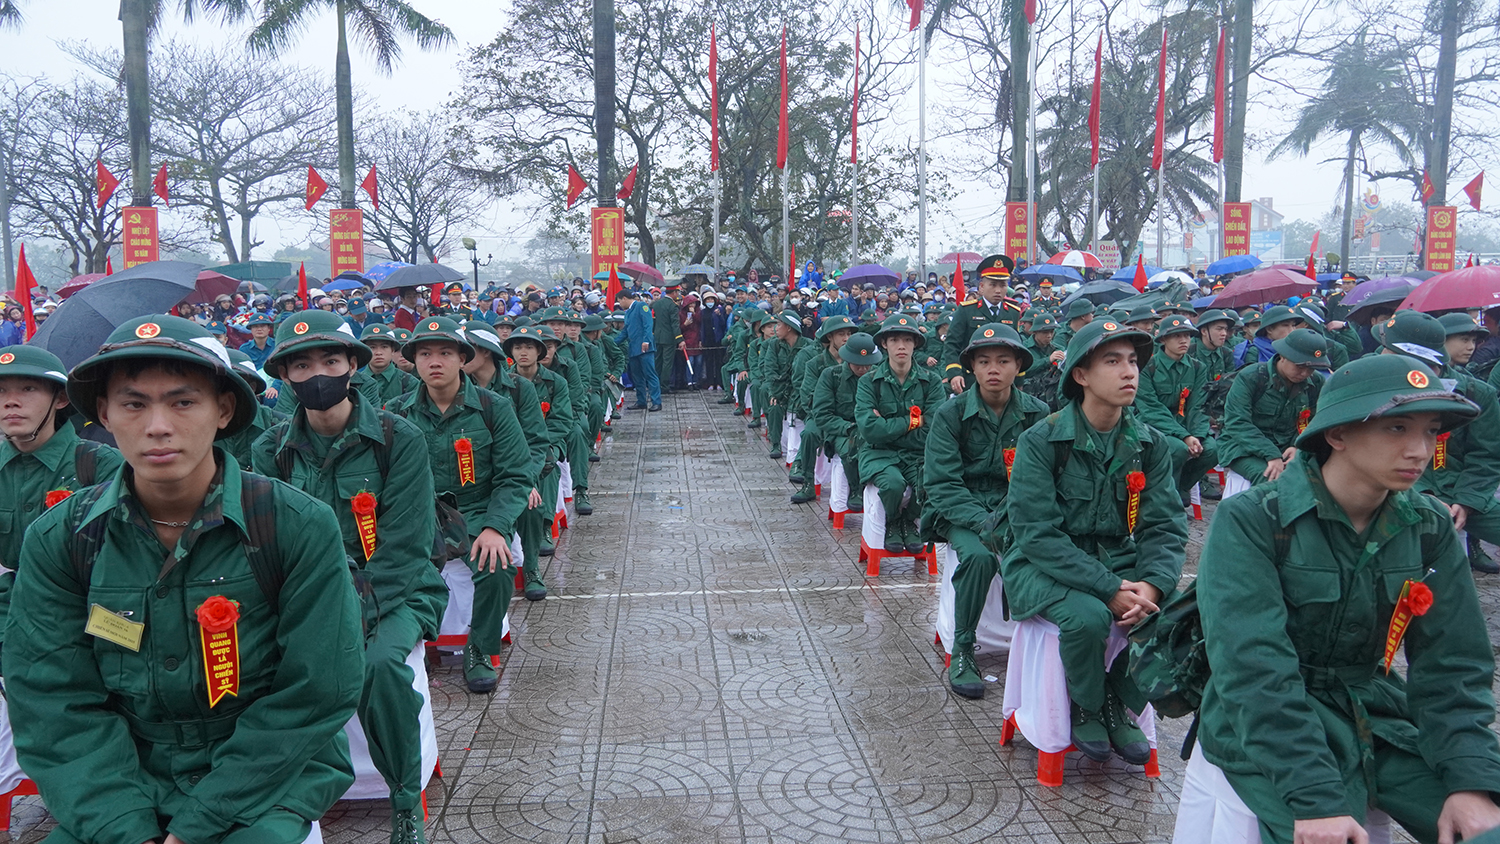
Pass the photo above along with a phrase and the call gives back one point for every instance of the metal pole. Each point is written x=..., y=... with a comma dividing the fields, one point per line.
x=10, y=261
x=1161, y=214
x=922, y=152
x=1222, y=235
x=786, y=223
x=716, y=226
x=1094, y=215
x=854, y=218
x=1031, y=156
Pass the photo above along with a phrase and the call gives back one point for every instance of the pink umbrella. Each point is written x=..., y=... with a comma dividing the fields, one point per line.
x=969, y=258
x=638, y=270
x=1471, y=287
x=210, y=286
x=1078, y=259
x=1267, y=284
x=77, y=283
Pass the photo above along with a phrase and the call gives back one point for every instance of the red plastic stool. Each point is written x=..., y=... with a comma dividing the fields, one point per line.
x=871, y=557
x=837, y=518
x=25, y=789
x=1049, y=766
x=457, y=640
x=520, y=578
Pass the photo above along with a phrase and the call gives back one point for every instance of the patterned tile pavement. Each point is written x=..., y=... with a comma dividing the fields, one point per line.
x=713, y=666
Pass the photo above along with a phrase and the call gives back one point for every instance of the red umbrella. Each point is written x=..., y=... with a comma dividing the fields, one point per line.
x=1267, y=284
x=638, y=270
x=969, y=258
x=1078, y=259
x=210, y=286
x=77, y=283
x=1471, y=287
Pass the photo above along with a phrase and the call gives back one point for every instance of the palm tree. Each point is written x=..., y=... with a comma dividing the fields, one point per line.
x=377, y=23
x=1362, y=95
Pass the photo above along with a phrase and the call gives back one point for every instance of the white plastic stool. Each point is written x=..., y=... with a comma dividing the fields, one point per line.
x=1233, y=484
x=838, y=492
x=368, y=783
x=822, y=470
x=872, y=535
x=1037, y=702
x=453, y=632
x=995, y=630
x=565, y=481
x=791, y=439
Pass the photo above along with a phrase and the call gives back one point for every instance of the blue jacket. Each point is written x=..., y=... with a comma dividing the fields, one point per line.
x=638, y=329
x=1245, y=353
x=259, y=356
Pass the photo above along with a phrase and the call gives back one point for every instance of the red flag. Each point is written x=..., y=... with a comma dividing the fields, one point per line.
x=1312, y=269
x=1471, y=261
x=1139, y=282
x=854, y=113
x=782, y=130
x=1427, y=189
x=627, y=187
x=1219, y=100
x=159, y=185
x=612, y=289
x=104, y=182
x=1030, y=12
x=1474, y=188
x=316, y=187
x=959, y=290
x=436, y=297
x=791, y=270
x=109, y=266
x=302, y=283
x=713, y=106
x=1313, y=250
x=1094, y=102
x=371, y=186
x=916, y=14
x=576, y=184
x=25, y=286
x=1161, y=104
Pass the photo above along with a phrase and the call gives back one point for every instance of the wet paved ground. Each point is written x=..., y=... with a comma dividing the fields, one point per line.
x=715, y=667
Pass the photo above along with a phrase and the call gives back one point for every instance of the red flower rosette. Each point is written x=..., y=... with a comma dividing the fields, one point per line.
x=1135, y=484
x=219, y=634
x=546, y=407
x=1009, y=456
x=1182, y=401
x=218, y=614
x=465, y=449
x=363, y=505
x=1419, y=598
x=914, y=418
x=57, y=496
x=1440, y=451
x=1302, y=419
x=1416, y=599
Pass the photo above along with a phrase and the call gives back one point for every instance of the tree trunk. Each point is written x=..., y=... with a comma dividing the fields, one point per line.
x=1020, y=49
x=1348, y=228
x=343, y=93
x=221, y=217
x=1442, y=105
x=10, y=271
x=1239, y=99
x=133, y=18
x=604, y=97
x=246, y=244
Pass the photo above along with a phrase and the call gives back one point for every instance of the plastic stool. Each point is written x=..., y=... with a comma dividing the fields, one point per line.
x=873, y=530
x=453, y=632
x=1196, y=497
x=838, y=492
x=994, y=632
x=26, y=788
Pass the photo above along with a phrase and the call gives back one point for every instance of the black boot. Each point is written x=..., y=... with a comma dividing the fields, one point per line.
x=1480, y=561
x=808, y=492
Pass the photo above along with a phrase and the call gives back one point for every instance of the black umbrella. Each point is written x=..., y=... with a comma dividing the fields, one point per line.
x=81, y=324
x=1102, y=292
x=420, y=275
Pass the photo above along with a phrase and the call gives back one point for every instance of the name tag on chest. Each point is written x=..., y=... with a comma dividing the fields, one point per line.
x=113, y=627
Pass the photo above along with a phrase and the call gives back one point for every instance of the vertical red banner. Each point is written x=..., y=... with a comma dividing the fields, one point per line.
x=1017, y=233
x=1236, y=228
x=142, y=245
x=1442, y=238
x=346, y=240
x=607, y=238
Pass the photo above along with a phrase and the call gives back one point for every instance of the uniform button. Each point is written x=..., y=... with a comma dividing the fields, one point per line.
x=171, y=663
x=194, y=779
x=161, y=592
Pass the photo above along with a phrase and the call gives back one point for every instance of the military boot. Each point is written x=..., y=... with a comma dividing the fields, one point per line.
x=1090, y=736
x=895, y=542
x=963, y=672
x=914, y=543
x=753, y=423
x=581, y=504
x=808, y=492
x=1480, y=561
x=1125, y=736
x=406, y=828
x=547, y=548
x=727, y=399
x=479, y=673
x=856, y=502
x=535, y=589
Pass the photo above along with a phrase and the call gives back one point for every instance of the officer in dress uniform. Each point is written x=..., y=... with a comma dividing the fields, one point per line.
x=991, y=304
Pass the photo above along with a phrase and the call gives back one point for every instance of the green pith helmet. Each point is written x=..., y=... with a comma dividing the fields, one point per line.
x=593, y=322
x=1078, y=308
x=377, y=332
x=1174, y=325
x=1043, y=323
x=1141, y=314
x=245, y=368
x=901, y=324
x=861, y=351
x=482, y=335
x=1303, y=346
x=1414, y=334
x=790, y=320
x=1458, y=323
x=1088, y=338
x=523, y=320
x=997, y=335
x=437, y=328
x=36, y=362
x=832, y=324
x=1384, y=385
x=1210, y=317
x=165, y=338
x=529, y=334
x=314, y=330
x=402, y=335
x=1278, y=314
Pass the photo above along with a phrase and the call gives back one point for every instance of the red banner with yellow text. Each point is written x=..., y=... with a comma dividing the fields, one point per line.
x=1442, y=238
x=608, y=238
x=140, y=236
x=1236, y=228
x=1017, y=232
x=346, y=240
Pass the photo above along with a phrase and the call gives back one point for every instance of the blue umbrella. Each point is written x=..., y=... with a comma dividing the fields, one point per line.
x=380, y=271
x=1127, y=273
x=1055, y=272
x=1233, y=264
x=868, y=274
x=1203, y=302
x=698, y=269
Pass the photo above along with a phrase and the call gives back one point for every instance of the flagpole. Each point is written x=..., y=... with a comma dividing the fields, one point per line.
x=786, y=231
x=1031, y=147
x=1094, y=214
x=922, y=151
x=854, y=219
x=1161, y=217
x=716, y=226
x=854, y=159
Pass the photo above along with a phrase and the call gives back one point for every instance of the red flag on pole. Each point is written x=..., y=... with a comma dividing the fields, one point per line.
x=713, y=106
x=1161, y=104
x=1474, y=188
x=612, y=289
x=1312, y=268
x=1139, y=282
x=1095, y=102
x=371, y=186
x=916, y=14
x=159, y=185
x=854, y=112
x=1471, y=261
x=576, y=184
x=436, y=297
x=25, y=286
x=1030, y=12
x=1427, y=189
x=782, y=130
x=791, y=270
x=1313, y=250
x=105, y=182
x=316, y=187
x=627, y=187
x=302, y=284
x=959, y=290
x=109, y=266
x=1219, y=100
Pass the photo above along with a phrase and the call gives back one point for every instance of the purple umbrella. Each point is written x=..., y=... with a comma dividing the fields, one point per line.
x=875, y=274
x=1362, y=292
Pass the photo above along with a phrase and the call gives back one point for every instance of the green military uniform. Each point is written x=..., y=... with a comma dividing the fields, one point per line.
x=1077, y=309
x=780, y=386
x=1296, y=605
x=666, y=334
x=812, y=361
x=1312, y=317
x=265, y=418
x=1041, y=377
x=392, y=382
x=555, y=406
x=976, y=312
x=1075, y=542
x=1218, y=365
x=599, y=372
x=966, y=476
x=890, y=455
x=757, y=356
x=121, y=739
x=1264, y=412
x=1171, y=397
x=833, y=409
x=571, y=360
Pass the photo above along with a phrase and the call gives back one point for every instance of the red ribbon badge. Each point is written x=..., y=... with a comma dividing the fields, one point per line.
x=465, y=450
x=1009, y=456
x=1135, y=484
x=914, y=421
x=1302, y=419
x=1182, y=401
x=546, y=407
x=363, y=506
x=218, y=631
x=1415, y=600
x=58, y=496
x=1439, y=454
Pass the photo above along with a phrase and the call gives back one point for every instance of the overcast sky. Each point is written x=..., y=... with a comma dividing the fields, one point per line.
x=1300, y=187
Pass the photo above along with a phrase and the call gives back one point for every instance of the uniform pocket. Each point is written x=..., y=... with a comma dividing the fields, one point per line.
x=1075, y=485
x=1395, y=580
x=124, y=672
x=1302, y=585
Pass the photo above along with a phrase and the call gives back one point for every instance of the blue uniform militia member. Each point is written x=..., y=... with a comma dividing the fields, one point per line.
x=183, y=650
x=640, y=343
x=261, y=344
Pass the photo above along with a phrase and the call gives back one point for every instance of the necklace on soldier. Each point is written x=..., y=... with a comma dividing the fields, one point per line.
x=170, y=524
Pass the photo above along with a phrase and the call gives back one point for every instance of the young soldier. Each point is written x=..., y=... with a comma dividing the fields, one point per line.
x=833, y=408
x=758, y=356
x=42, y=459
x=1080, y=312
x=265, y=419
x=479, y=460
x=638, y=341
x=1277, y=323
x=778, y=368
x=991, y=305
x=1306, y=587
x=1269, y=404
x=970, y=448
x=1212, y=351
x=891, y=405
x=530, y=346
x=343, y=450
x=1172, y=391
x=1042, y=376
x=1099, y=528
x=573, y=362
x=391, y=382
x=183, y=649
x=1463, y=336
x=592, y=332
x=832, y=335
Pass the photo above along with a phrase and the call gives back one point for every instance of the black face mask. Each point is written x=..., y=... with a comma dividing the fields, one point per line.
x=322, y=392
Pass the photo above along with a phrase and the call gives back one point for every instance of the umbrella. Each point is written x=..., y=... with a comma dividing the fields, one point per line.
x=80, y=325
x=1102, y=292
x=1471, y=287
x=1168, y=275
x=1324, y=278
x=1421, y=275
x=698, y=269
x=1378, y=291
x=210, y=286
x=861, y=274
x=250, y=288
x=77, y=283
x=379, y=272
x=1202, y=303
x=1266, y=285
x=349, y=280
x=969, y=258
x=418, y=275
x=638, y=270
x=1233, y=264
x=1076, y=258
x=1037, y=272
x=1127, y=273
